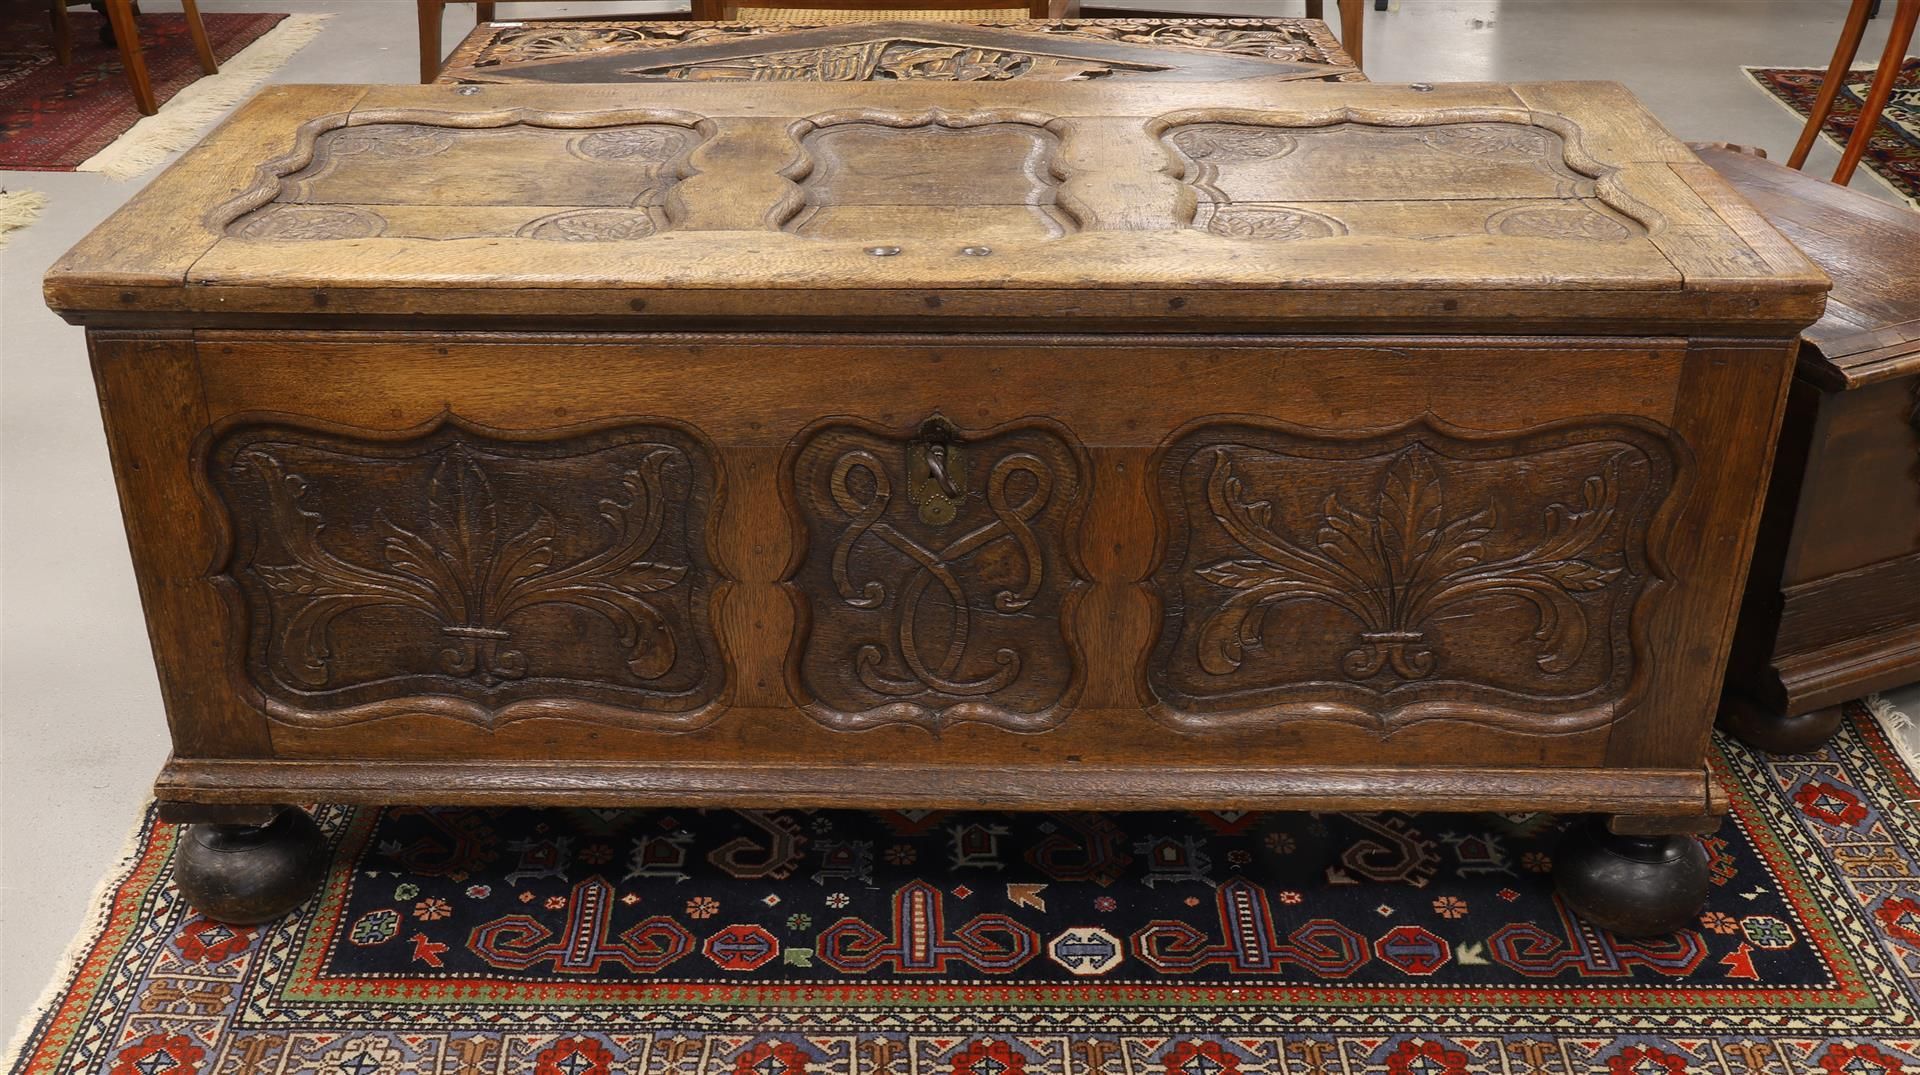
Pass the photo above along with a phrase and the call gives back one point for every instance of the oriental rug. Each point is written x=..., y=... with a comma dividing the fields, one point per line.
x=792, y=942
x=58, y=118
x=1894, y=152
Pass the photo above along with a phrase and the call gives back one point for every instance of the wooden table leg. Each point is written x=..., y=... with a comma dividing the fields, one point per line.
x=483, y=11
x=1351, y=13
x=198, y=31
x=1899, y=35
x=430, y=15
x=62, y=32
x=127, y=36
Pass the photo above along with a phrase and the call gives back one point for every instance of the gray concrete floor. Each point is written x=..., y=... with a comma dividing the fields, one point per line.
x=81, y=728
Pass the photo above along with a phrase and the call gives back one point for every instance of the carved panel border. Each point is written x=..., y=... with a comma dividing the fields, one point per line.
x=460, y=571
x=1426, y=572
x=948, y=587
x=1060, y=213
x=669, y=136
x=1196, y=142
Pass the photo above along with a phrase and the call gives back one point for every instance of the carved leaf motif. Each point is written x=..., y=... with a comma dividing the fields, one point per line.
x=457, y=569
x=391, y=140
x=310, y=222
x=1503, y=141
x=1277, y=223
x=630, y=143
x=1220, y=143
x=591, y=226
x=1412, y=560
x=1559, y=222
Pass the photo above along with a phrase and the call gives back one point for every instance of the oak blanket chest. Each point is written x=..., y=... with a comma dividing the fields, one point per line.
x=1079, y=445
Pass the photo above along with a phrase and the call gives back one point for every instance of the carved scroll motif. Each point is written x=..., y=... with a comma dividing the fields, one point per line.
x=1028, y=50
x=937, y=623
x=463, y=565
x=1423, y=567
x=891, y=60
x=1297, y=43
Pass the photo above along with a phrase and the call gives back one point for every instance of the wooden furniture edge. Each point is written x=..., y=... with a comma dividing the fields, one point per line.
x=1242, y=311
x=1661, y=792
x=1847, y=670
x=1872, y=357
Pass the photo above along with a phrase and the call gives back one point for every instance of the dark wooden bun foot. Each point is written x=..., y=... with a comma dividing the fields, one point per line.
x=1632, y=885
x=1763, y=729
x=247, y=874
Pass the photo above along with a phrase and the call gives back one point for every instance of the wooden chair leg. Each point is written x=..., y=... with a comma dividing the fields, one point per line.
x=1316, y=9
x=198, y=31
x=1843, y=54
x=483, y=11
x=430, y=54
x=1352, y=13
x=127, y=36
x=62, y=32
x=1899, y=36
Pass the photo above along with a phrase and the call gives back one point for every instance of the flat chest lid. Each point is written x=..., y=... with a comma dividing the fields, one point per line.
x=1104, y=206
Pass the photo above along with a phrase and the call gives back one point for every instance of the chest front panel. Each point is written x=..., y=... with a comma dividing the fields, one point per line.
x=857, y=547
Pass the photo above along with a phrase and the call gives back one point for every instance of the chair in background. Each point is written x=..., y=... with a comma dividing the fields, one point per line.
x=1879, y=92
x=126, y=35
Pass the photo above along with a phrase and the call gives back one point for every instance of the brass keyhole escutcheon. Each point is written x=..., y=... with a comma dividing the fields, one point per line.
x=936, y=471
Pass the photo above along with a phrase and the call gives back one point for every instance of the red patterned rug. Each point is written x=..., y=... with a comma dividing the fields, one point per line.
x=1894, y=152
x=796, y=942
x=52, y=118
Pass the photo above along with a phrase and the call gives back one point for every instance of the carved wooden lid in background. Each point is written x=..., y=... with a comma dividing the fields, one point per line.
x=1184, y=50
x=1105, y=206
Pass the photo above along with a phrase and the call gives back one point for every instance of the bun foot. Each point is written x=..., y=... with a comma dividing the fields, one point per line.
x=1632, y=885
x=1777, y=733
x=248, y=874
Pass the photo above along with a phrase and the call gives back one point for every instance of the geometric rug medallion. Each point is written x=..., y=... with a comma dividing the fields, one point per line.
x=797, y=942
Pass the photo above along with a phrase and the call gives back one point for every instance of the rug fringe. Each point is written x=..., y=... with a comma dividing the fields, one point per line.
x=180, y=121
x=99, y=905
x=1903, y=731
x=1838, y=145
x=18, y=208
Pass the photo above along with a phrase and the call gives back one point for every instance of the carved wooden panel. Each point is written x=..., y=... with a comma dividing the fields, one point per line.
x=867, y=179
x=1417, y=573
x=1033, y=51
x=428, y=181
x=1286, y=40
x=459, y=571
x=938, y=572
x=1444, y=179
